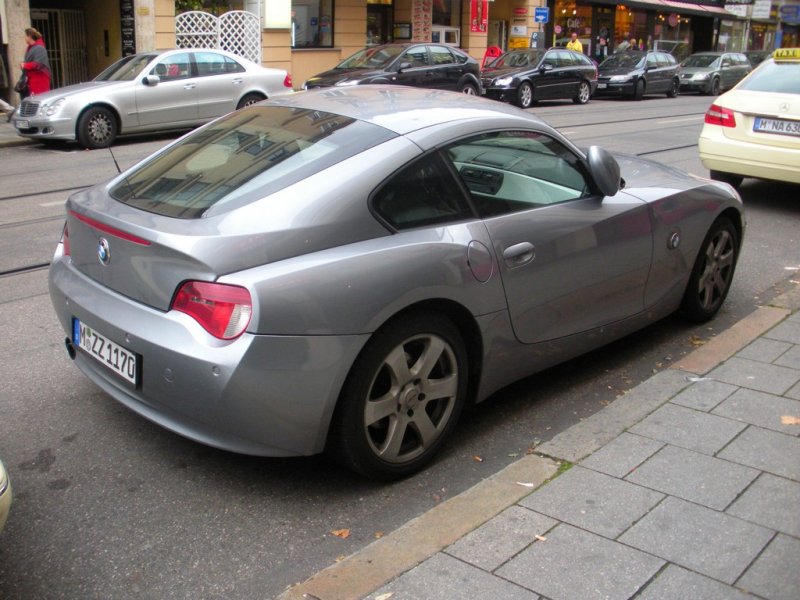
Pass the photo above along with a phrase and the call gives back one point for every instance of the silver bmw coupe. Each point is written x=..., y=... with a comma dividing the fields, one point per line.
x=343, y=270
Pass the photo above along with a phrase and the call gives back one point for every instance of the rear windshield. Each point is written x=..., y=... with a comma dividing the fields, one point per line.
x=245, y=156
x=771, y=76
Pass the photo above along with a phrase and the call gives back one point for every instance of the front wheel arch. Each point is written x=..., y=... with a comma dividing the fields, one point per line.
x=81, y=137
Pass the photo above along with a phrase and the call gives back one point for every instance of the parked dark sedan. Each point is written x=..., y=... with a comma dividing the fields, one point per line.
x=634, y=74
x=527, y=76
x=713, y=72
x=756, y=57
x=418, y=65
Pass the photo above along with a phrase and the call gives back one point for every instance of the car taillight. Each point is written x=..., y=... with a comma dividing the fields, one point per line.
x=287, y=81
x=223, y=310
x=65, y=240
x=718, y=115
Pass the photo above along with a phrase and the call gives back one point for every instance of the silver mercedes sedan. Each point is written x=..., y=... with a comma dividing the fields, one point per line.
x=343, y=270
x=154, y=91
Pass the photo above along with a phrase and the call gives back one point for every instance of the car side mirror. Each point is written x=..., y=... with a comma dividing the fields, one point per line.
x=546, y=67
x=604, y=169
x=151, y=80
x=403, y=66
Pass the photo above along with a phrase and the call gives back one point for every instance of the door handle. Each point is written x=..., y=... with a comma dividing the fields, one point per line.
x=189, y=86
x=519, y=254
x=237, y=81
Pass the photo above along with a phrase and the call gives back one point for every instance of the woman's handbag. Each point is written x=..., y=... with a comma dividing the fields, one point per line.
x=21, y=87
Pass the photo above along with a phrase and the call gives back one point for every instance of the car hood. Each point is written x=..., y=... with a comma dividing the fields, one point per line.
x=503, y=72
x=694, y=70
x=609, y=71
x=88, y=87
x=644, y=173
x=334, y=76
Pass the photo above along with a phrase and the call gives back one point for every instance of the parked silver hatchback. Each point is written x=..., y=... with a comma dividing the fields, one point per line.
x=713, y=72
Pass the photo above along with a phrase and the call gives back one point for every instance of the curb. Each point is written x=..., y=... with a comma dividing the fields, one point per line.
x=384, y=560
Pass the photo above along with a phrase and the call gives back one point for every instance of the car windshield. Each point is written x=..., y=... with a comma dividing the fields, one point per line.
x=518, y=58
x=771, y=76
x=245, y=156
x=624, y=60
x=702, y=60
x=378, y=57
x=126, y=69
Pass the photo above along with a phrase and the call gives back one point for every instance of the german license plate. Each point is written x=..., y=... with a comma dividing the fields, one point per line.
x=121, y=361
x=22, y=125
x=602, y=86
x=780, y=126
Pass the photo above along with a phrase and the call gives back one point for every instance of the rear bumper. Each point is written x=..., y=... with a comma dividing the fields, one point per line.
x=259, y=394
x=718, y=153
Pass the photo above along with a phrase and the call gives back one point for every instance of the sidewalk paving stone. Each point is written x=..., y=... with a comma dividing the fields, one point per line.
x=573, y=564
x=505, y=535
x=776, y=573
x=790, y=359
x=764, y=350
x=771, y=501
x=622, y=455
x=704, y=394
x=693, y=476
x=788, y=331
x=698, y=538
x=769, y=451
x=756, y=375
x=593, y=501
x=688, y=429
x=794, y=392
x=762, y=409
x=443, y=577
x=676, y=583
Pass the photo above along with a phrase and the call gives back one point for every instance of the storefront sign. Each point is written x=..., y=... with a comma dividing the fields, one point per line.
x=127, y=20
x=740, y=10
x=790, y=13
x=478, y=15
x=761, y=9
x=520, y=10
x=421, y=18
x=738, y=2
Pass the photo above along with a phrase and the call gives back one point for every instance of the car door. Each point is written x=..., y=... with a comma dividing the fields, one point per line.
x=220, y=81
x=569, y=74
x=654, y=75
x=418, y=71
x=727, y=69
x=570, y=261
x=172, y=100
x=547, y=83
x=446, y=71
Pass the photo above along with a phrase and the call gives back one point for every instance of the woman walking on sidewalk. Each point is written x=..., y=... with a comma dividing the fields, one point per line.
x=36, y=65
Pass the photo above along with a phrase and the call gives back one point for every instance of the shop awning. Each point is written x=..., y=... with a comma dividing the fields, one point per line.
x=684, y=8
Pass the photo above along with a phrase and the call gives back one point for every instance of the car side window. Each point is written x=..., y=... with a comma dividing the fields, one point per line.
x=177, y=66
x=551, y=58
x=652, y=61
x=441, y=55
x=421, y=194
x=511, y=171
x=209, y=63
x=459, y=57
x=417, y=56
x=565, y=58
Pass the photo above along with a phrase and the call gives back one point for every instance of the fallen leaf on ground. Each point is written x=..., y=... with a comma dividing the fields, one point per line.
x=378, y=535
x=541, y=538
x=696, y=341
x=477, y=458
x=790, y=420
x=341, y=533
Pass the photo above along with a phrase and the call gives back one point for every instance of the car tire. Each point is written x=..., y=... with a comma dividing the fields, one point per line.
x=584, y=93
x=674, y=89
x=729, y=178
x=387, y=424
x=712, y=273
x=249, y=99
x=97, y=128
x=525, y=95
x=470, y=89
x=714, y=90
x=638, y=91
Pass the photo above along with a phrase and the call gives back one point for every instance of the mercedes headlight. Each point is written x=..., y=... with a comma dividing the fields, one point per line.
x=503, y=80
x=49, y=109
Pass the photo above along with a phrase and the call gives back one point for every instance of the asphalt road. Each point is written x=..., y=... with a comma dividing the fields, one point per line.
x=110, y=506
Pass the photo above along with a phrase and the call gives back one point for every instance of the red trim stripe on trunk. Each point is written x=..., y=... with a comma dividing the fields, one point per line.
x=110, y=230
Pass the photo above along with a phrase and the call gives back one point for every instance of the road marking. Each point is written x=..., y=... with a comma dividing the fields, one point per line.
x=679, y=120
x=47, y=204
x=568, y=132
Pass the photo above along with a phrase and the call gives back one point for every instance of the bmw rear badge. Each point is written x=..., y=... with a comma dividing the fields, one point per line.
x=103, y=251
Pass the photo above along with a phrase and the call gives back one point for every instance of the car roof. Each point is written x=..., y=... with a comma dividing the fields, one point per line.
x=404, y=109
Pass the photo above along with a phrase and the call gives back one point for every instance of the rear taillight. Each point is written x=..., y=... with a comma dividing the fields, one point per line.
x=223, y=310
x=718, y=115
x=65, y=240
x=287, y=81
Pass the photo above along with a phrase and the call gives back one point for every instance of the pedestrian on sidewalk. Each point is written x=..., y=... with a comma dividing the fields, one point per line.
x=36, y=64
x=574, y=43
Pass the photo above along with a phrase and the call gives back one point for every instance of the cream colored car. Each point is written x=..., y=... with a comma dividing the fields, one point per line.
x=754, y=129
x=5, y=495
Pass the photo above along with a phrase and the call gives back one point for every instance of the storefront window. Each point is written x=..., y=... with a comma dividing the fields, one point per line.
x=630, y=24
x=312, y=23
x=447, y=13
x=571, y=16
x=673, y=33
x=732, y=36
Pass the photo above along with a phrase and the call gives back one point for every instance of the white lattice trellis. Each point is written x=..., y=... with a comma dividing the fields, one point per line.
x=236, y=31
